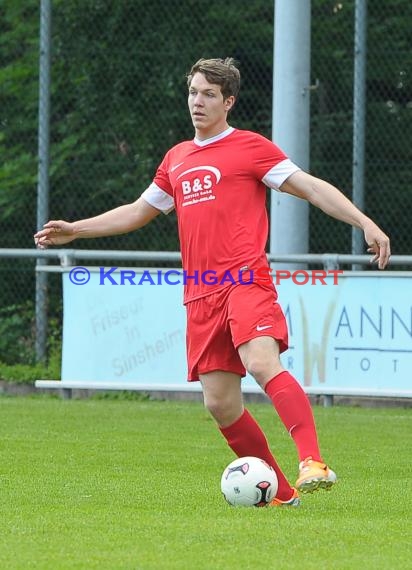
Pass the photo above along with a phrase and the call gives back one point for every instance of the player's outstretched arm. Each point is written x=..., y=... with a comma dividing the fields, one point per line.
x=121, y=220
x=331, y=200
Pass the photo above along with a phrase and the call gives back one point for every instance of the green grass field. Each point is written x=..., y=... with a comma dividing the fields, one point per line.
x=135, y=484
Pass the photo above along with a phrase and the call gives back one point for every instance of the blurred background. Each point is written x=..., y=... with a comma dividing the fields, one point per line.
x=118, y=102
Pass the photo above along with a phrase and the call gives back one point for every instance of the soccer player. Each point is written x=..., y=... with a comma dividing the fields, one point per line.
x=216, y=183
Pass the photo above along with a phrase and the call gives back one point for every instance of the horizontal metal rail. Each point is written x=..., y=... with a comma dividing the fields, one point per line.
x=67, y=256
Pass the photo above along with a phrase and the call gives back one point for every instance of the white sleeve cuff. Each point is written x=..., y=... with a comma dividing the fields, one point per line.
x=279, y=173
x=158, y=198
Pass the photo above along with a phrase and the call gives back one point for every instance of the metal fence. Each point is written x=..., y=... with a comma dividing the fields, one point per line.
x=118, y=102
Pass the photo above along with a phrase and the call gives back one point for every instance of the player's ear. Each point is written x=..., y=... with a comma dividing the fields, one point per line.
x=229, y=102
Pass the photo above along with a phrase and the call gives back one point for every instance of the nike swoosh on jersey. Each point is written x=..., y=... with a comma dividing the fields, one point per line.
x=176, y=166
x=262, y=328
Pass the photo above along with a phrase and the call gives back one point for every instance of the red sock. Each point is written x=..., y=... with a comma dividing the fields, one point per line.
x=294, y=409
x=245, y=437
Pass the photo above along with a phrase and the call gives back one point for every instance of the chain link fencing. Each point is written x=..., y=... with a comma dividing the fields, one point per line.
x=118, y=102
x=388, y=178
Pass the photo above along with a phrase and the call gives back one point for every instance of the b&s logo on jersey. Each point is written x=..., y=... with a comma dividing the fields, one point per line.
x=198, y=183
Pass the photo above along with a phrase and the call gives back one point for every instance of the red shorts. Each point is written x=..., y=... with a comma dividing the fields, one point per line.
x=220, y=322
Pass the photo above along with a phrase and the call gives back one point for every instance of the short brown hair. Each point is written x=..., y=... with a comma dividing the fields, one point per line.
x=221, y=72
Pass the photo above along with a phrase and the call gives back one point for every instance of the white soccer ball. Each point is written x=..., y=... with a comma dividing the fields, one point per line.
x=249, y=482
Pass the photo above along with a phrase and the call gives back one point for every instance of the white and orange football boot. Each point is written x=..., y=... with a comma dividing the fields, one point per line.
x=314, y=475
x=294, y=501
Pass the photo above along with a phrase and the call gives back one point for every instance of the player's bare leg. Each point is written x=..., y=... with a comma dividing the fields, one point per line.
x=222, y=396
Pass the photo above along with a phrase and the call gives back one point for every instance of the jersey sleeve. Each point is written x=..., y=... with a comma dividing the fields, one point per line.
x=279, y=173
x=160, y=193
x=158, y=198
x=272, y=166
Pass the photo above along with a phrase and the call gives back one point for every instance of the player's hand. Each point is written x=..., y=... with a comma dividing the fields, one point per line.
x=55, y=232
x=378, y=244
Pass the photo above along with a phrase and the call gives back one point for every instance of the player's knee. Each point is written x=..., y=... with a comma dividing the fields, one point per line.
x=262, y=368
x=257, y=367
x=221, y=409
x=215, y=406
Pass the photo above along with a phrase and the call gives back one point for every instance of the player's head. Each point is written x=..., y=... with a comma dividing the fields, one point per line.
x=213, y=86
x=222, y=72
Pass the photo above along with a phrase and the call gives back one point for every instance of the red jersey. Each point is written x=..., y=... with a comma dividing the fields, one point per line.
x=218, y=188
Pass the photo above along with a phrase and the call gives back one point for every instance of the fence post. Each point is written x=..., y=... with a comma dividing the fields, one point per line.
x=359, y=80
x=289, y=231
x=43, y=172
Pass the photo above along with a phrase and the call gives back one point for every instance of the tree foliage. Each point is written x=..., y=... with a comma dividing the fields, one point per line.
x=19, y=37
x=118, y=101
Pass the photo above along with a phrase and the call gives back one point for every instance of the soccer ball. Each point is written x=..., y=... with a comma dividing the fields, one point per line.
x=249, y=482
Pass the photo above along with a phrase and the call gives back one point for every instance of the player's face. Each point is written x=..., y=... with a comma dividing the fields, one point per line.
x=207, y=107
